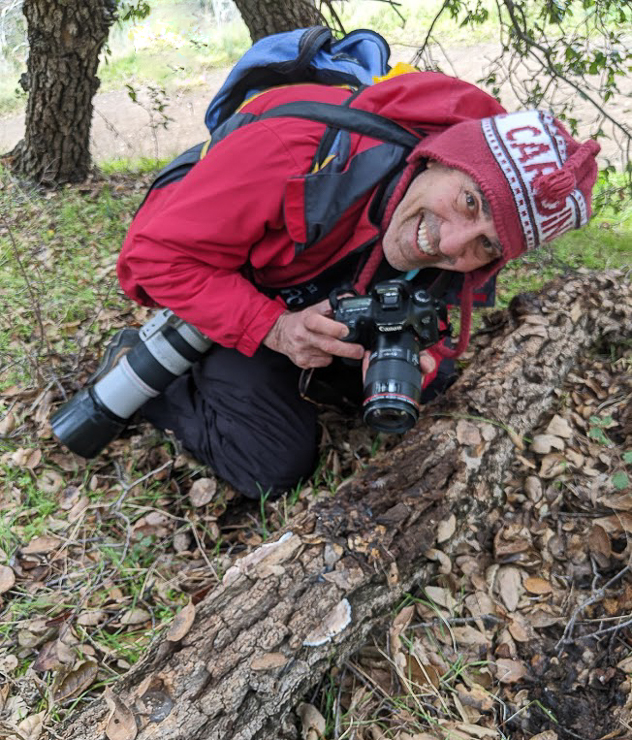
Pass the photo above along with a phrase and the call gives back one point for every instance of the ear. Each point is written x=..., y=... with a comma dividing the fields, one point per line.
x=430, y=163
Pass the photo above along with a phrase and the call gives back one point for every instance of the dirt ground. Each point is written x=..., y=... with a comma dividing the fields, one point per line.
x=122, y=128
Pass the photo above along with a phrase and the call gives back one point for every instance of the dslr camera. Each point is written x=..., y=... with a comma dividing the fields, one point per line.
x=395, y=322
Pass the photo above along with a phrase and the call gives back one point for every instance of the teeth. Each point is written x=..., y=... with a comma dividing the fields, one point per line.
x=422, y=240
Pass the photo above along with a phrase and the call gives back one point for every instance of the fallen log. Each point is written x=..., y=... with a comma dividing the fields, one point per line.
x=284, y=612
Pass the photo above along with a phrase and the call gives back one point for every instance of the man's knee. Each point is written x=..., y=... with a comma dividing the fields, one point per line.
x=261, y=467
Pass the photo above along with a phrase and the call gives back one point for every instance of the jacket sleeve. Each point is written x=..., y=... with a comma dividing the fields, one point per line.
x=189, y=254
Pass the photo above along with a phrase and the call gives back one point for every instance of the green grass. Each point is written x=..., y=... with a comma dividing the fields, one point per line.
x=57, y=254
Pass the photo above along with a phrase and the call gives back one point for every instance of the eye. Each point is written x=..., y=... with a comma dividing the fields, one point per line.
x=470, y=201
x=490, y=249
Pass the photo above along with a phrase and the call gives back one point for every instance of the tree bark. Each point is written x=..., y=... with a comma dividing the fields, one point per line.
x=265, y=17
x=281, y=614
x=65, y=40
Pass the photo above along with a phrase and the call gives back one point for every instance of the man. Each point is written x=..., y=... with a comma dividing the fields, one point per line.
x=249, y=244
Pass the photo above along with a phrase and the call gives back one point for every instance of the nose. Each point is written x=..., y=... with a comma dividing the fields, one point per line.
x=456, y=239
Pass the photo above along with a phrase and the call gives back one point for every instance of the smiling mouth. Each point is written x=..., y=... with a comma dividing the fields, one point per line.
x=423, y=240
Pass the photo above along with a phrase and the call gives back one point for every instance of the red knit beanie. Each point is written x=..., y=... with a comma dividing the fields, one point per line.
x=537, y=179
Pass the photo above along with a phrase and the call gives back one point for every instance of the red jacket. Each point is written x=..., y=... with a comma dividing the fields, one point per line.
x=236, y=217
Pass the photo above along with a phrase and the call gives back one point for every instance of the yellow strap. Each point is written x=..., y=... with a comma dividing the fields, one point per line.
x=325, y=162
x=204, y=149
x=401, y=68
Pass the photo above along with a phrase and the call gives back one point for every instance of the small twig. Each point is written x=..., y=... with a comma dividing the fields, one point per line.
x=128, y=487
x=422, y=48
x=367, y=681
x=550, y=67
x=200, y=547
x=29, y=287
x=568, y=631
x=458, y=620
x=606, y=630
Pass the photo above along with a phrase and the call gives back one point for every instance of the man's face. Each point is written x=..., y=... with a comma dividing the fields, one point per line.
x=443, y=221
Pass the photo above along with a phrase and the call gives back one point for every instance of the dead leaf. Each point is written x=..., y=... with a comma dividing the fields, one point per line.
x=511, y=540
x=312, y=720
x=202, y=491
x=50, y=481
x=538, y=586
x=552, y=465
x=268, y=662
x=466, y=731
x=53, y=656
x=182, y=541
x=421, y=672
x=445, y=564
x=401, y=621
x=533, y=487
x=599, y=544
x=446, y=529
x=182, y=623
x=544, y=616
x=31, y=727
x=515, y=437
x=121, y=722
x=91, y=618
x=41, y=545
x=617, y=502
x=519, y=629
x=135, y=616
x=8, y=663
x=440, y=596
x=7, y=578
x=34, y=459
x=69, y=497
x=559, y=427
x=544, y=443
x=8, y=423
x=475, y=696
x=71, y=684
x=470, y=636
x=510, y=671
x=576, y=459
x=509, y=581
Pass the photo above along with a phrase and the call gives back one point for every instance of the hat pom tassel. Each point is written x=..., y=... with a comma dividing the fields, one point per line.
x=556, y=186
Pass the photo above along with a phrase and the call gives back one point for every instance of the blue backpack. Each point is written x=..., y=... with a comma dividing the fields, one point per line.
x=304, y=55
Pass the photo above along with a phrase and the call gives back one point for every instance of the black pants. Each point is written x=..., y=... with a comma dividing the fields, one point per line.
x=245, y=418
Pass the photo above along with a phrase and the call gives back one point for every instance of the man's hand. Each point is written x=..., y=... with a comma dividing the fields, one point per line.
x=311, y=338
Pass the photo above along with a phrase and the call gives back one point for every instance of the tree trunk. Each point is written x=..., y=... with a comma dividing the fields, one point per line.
x=281, y=614
x=65, y=40
x=265, y=17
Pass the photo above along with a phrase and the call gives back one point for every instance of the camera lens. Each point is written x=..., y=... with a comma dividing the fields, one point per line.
x=167, y=348
x=392, y=387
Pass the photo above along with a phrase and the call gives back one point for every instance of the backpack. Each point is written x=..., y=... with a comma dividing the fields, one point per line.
x=304, y=55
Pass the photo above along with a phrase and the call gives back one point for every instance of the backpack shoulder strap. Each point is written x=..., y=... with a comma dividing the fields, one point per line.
x=348, y=119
